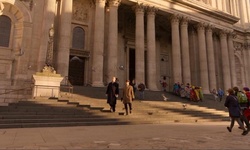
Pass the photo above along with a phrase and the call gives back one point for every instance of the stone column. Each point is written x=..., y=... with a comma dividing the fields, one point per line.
x=186, y=74
x=151, y=53
x=210, y=56
x=203, y=58
x=112, y=39
x=139, y=45
x=98, y=49
x=176, y=50
x=232, y=59
x=63, y=50
x=225, y=62
x=48, y=22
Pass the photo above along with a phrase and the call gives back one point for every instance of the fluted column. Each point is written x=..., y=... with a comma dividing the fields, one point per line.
x=232, y=59
x=176, y=50
x=112, y=39
x=225, y=62
x=203, y=58
x=210, y=56
x=151, y=53
x=139, y=44
x=63, y=50
x=186, y=74
x=98, y=48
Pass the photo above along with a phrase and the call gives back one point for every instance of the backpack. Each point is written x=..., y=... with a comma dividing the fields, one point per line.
x=242, y=98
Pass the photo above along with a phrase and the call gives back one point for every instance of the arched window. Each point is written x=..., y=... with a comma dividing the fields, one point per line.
x=78, y=41
x=5, y=27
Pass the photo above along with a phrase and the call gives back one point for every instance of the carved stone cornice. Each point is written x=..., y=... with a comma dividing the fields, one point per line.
x=114, y=3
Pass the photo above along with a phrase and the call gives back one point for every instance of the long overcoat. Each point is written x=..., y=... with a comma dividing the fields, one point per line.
x=128, y=94
x=112, y=90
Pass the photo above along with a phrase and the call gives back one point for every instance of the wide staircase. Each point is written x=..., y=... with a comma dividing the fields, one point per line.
x=87, y=106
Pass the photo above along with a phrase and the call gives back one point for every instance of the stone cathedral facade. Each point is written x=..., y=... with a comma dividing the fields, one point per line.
x=202, y=42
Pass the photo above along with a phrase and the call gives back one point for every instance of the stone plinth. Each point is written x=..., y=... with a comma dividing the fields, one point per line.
x=47, y=83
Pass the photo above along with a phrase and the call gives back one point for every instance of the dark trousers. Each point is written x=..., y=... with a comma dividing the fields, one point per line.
x=126, y=107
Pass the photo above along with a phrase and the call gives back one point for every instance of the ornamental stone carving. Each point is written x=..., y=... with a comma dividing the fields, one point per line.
x=175, y=18
x=151, y=10
x=115, y=3
x=139, y=8
x=29, y=3
x=80, y=10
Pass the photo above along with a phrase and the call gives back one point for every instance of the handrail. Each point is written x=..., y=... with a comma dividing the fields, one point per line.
x=14, y=90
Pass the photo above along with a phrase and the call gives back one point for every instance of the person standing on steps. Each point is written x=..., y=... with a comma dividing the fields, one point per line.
x=112, y=93
x=127, y=97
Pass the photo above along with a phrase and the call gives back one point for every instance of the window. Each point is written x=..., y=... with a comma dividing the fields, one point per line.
x=78, y=41
x=5, y=27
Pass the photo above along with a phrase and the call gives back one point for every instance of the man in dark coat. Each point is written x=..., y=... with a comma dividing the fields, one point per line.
x=234, y=111
x=112, y=94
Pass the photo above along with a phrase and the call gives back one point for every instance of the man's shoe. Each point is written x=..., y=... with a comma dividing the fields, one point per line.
x=245, y=132
x=229, y=129
x=130, y=111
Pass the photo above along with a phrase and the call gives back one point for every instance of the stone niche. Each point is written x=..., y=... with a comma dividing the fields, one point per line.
x=47, y=83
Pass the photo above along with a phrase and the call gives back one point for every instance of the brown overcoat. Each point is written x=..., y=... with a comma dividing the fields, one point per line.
x=128, y=94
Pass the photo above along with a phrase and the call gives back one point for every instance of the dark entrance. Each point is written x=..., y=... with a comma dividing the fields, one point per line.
x=131, y=64
x=76, y=70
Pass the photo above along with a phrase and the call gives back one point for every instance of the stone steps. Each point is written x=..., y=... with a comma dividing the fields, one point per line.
x=90, y=108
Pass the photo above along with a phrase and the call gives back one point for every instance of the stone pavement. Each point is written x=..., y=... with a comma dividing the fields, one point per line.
x=171, y=136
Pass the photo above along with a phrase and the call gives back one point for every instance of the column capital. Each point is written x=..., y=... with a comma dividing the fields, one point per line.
x=232, y=35
x=201, y=26
x=185, y=20
x=114, y=3
x=247, y=45
x=100, y=1
x=223, y=33
x=139, y=8
x=151, y=10
x=210, y=27
x=175, y=18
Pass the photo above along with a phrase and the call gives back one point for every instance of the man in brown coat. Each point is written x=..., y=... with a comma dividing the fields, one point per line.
x=128, y=97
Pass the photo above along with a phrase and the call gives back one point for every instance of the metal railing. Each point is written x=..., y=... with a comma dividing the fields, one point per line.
x=14, y=95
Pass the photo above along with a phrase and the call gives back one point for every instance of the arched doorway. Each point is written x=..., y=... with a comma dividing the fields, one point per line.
x=76, y=70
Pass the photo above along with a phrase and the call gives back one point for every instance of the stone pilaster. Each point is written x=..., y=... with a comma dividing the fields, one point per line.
x=225, y=62
x=176, y=50
x=186, y=74
x=112, y=39
x=232, y=58
x=139, y=44
x=63, y=50
x=211, y=56
x=151, y=51
x=203, y=58
x=98, y=48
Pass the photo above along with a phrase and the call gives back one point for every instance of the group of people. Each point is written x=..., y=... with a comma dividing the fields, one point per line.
x=193, y=93
x=128, y=94
x=238, y=103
